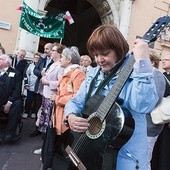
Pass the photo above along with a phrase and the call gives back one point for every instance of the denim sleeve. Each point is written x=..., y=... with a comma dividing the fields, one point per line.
x=141, y=94
x=143, y=66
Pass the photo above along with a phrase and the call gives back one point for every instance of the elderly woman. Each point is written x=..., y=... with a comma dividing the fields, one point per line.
x=110, y=50
x=87, y=61
x=49, y=86
x=68, y=85
x=29, y=84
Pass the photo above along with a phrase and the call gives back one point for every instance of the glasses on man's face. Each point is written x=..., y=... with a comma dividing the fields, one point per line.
x=166, y=59
x=54, y=50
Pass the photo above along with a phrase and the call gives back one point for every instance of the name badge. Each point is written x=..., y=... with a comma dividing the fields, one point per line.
x=11, y=74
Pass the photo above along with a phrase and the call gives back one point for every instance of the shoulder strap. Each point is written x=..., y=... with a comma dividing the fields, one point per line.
x=105, y=81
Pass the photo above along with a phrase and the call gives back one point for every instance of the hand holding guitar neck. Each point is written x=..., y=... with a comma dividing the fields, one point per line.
x=140, y=49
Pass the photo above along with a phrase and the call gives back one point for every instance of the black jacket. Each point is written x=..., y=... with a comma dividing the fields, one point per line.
x=21, y=66
x=10, y=86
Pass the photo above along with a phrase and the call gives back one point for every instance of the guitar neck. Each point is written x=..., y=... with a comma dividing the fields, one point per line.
x=110, y=99
x=149, y=36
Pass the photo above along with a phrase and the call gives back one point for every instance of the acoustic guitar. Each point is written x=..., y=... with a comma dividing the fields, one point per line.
x=109, y=128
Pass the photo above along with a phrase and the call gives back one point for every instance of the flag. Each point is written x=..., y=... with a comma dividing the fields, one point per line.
x=40, y=25
x=19, y=8
x=31, y=11
x=69, y=18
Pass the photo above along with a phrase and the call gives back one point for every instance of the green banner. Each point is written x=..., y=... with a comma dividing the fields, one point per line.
x=40, y=25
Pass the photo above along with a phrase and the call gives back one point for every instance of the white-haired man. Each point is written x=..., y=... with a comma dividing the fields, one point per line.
x=11, y=102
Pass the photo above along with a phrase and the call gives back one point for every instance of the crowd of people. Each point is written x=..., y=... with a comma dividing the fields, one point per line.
x=62, y=87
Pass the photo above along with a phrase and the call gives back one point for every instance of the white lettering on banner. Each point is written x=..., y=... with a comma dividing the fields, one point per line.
x=26, y=24
x=42, y=35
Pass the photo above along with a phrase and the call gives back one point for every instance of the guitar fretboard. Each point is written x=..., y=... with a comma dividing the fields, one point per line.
x=110, y=99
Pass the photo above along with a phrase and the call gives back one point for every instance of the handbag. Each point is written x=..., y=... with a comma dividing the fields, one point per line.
x=161, y=113
x=48, y=147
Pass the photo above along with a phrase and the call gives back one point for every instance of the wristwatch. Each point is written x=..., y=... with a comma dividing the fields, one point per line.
x=66, y=121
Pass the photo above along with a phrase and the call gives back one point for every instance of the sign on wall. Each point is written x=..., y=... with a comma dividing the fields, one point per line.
x=5, y=25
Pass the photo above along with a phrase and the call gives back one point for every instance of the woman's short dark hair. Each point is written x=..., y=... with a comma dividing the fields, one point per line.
x=107, y=37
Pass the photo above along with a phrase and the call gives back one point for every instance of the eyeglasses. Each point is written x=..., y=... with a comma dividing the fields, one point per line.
x=165, y=59
x=54, y=50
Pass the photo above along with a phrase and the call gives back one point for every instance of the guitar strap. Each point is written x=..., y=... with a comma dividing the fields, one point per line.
x=113, y=73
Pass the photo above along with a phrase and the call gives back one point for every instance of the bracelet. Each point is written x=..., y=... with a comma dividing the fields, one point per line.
x=66, y=119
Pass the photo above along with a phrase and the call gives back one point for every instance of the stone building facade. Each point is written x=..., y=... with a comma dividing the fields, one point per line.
x=132, y=17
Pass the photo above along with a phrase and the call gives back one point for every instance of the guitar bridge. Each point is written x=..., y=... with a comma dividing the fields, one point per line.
x=74, y=158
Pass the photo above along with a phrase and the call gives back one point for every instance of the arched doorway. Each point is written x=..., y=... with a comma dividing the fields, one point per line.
x=86, y=19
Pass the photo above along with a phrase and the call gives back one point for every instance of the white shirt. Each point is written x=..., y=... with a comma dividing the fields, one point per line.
x=48, y=61
x=3, y=71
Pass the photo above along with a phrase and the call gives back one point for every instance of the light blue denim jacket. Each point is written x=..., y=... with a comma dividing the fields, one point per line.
x=139, y=97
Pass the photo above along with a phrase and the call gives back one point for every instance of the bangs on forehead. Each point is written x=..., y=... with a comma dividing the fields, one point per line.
x=98, y=43
x=107, y=37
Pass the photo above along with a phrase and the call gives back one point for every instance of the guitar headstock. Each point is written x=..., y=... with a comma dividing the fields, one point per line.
x=153, y=32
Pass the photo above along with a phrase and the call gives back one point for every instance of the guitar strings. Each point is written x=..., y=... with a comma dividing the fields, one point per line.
x=80, y=144
x=84, y=139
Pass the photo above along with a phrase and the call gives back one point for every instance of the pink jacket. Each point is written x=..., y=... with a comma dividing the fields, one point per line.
x=53, y=74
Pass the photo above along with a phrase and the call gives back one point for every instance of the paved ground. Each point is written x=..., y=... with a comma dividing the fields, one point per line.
x=19, y=155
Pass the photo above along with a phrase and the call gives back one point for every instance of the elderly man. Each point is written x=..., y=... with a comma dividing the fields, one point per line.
x=20, y=63
x=11, y=102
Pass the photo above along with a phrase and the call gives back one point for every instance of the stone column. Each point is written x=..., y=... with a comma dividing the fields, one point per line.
x=25, y=40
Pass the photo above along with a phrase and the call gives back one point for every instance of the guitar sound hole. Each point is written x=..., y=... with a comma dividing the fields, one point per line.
x=95, y=125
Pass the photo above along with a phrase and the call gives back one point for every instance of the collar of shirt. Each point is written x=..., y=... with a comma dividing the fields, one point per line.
x=3, y=71
x=18, y=60
x=48, y=60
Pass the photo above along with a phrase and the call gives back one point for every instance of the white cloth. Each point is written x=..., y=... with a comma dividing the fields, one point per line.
x=3, y=71
x=38, y=117
x=71, y=67
x=48, y=61
x=38, y=151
